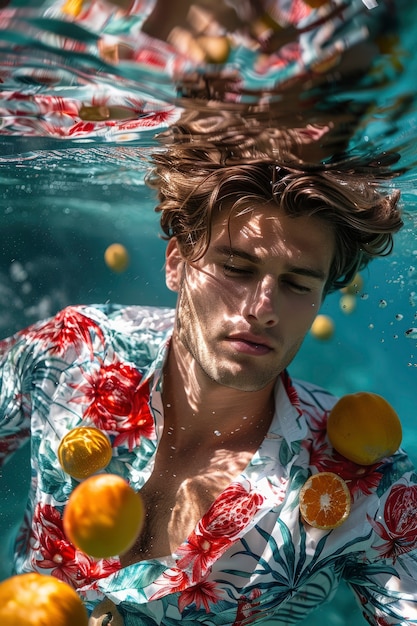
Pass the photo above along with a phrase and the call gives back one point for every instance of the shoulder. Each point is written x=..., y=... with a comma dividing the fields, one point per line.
x=91, y=329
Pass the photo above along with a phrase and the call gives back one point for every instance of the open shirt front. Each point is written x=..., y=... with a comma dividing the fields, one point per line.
x=250, y=557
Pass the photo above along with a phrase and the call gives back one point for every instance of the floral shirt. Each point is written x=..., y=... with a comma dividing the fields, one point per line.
x=250, y=557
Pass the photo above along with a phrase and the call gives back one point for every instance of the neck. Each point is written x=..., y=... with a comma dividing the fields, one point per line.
x=201, y=407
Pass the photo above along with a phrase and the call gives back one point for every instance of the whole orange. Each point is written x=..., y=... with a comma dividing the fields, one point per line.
x=364, y=428
x=116, y=257
x=39, y=600
x=103, y=516
x=84, y=451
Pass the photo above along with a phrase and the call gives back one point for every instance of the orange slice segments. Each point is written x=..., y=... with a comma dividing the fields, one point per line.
x=325, y=501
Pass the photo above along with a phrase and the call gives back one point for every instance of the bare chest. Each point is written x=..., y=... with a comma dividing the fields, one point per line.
x=176, y=496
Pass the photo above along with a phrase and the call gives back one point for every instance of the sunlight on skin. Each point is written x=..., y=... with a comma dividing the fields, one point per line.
x=244, y=309
x=246, y=306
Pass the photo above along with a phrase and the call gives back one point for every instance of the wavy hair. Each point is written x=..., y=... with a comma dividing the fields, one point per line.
x=196, y=181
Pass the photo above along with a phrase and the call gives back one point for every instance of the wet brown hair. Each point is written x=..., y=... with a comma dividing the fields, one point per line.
x=197, y=177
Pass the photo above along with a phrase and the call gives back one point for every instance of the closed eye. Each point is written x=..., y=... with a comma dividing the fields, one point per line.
x=233, y=270
x=297, y=287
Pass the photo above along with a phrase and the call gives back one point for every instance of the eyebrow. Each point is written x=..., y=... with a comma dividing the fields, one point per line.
x=248, y=256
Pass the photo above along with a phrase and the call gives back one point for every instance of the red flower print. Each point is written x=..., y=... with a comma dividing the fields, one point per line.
x=11, y=443
x=227, y=517
x=69, y=329
x=291, y=391
x=172, y=581
x=246, y=609
x=117, y=401
x=361, y=479
x=200, y=553
x=59, y=556
x=318, y=423
x=400, y=517
x=202, y=595
x=231, y=512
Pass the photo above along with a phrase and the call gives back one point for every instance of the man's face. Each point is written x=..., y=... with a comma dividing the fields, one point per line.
x=244, y=308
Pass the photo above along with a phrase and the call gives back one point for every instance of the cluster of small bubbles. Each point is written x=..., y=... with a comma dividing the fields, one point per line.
x=413, y=298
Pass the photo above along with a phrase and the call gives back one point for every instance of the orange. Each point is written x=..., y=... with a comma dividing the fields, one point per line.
x=322, y=328
x=39, y=600
x=83, y=451
x=116, y=257
x=103, y=516
x=364, y=428
x=325, y=501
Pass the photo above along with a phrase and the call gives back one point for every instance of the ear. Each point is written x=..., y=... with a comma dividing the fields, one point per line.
x=174, y=264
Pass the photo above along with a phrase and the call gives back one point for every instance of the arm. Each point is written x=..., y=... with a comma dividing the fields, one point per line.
x=15, y=407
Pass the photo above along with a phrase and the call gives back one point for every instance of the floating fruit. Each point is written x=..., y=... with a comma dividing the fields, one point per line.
x=103, y=516
x=347, y=303
x=364, y=428
x=325, y=501
x=84, y=451
x=354, y=287
x=322, y=328
x=216, y=48
x=116, y=257
x=39, y=600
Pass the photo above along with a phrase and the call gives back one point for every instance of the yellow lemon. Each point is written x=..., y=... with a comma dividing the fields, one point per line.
x=116, y=257
x=84, y=451
x=103, y=516
x=39, y=600
x=364, y=428
x=322, y=327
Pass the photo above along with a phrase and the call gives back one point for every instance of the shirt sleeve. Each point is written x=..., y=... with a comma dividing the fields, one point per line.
x=385, y=579
x=15, y=409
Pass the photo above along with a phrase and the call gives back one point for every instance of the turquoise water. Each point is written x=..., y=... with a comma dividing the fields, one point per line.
x=55, y=229
x=63, y=202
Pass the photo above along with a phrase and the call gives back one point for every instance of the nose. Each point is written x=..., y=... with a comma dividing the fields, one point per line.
x=261, y=305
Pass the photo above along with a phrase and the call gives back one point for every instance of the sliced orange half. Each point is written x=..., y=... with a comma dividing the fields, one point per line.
x=325, y=501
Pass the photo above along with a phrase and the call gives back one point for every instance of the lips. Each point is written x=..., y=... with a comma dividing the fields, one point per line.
x=250, y=344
